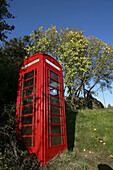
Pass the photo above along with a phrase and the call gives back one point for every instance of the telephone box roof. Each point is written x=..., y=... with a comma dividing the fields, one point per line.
x=40, y=55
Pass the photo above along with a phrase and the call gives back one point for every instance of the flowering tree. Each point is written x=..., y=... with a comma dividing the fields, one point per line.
x=86, y=62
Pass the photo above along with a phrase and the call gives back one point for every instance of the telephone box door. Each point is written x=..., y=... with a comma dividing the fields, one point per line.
x=55, y=113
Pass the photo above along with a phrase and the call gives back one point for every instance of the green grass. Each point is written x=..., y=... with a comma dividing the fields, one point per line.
x=94, y=130
x=93, y=142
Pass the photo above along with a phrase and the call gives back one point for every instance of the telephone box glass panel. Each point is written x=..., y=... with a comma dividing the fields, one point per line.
x=27, y=107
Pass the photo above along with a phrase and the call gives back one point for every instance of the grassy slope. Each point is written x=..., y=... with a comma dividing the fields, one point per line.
x=94, y=136
x=94, y=129
x=93, y=141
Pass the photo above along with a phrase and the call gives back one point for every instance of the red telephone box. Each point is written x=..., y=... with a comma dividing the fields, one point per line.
x=41, y=108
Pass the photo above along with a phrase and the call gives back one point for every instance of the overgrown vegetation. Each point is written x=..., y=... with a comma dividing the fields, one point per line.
x=12, y=154
x=12, y=53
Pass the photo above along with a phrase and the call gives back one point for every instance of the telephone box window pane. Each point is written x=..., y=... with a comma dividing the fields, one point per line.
x=33, y=141
x=28, y=83
x=49, y=129
x=34, y=118
x=34, y=98
x=20, y=102
x=27, y=141
x=55, y=119
x=35, y=89
x=54, y=92
x=27, y=100
x=26, y=120
x=55, y=129
x=53, y=75
x=35, y=80
x=27, y=110
x=49, y=140
x=28, y=75
x=34, y=108
x=55, y=140
x=54, y=83
x=55, y=109
x=26, y=130
x=20, y=85
x=20, y=94
x=28, y=91
x=34, y=130
x=54, y=100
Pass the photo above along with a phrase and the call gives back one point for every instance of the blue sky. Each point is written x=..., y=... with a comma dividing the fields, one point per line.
x=94, y=17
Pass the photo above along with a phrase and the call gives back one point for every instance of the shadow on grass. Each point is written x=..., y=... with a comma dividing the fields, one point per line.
x=70, y=125
x=104, y=167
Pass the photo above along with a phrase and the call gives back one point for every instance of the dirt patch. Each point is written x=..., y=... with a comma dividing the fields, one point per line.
x=97, y=158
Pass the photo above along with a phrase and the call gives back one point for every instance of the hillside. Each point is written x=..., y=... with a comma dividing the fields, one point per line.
x=94, y=136
x=90, y=142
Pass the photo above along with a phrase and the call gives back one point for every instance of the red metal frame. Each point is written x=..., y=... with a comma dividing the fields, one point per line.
x=40, y=107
